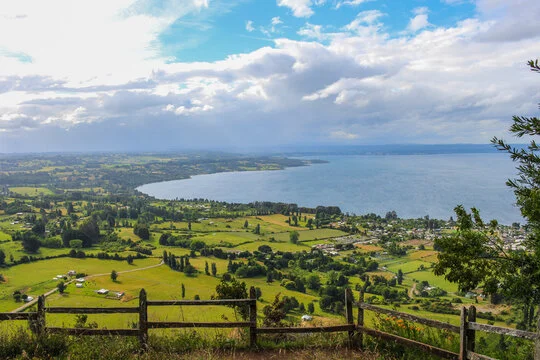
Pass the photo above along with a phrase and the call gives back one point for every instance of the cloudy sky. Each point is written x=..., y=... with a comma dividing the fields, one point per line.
x=117, y=75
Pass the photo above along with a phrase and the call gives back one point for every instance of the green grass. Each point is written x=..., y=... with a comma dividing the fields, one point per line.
x=310, y=234
x=31, y=191
x=433, y=280
x=4, y=236
x=227, y=238
x=407, y=266
x=37, y=278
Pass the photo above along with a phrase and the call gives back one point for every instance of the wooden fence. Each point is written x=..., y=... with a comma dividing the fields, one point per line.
x=467, y=329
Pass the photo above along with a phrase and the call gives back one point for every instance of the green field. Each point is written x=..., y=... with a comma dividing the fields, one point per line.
x=31, y=191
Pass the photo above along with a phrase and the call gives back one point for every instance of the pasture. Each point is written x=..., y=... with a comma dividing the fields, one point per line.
x=31, y=191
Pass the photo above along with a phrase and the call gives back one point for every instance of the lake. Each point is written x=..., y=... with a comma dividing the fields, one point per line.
x=412, y=185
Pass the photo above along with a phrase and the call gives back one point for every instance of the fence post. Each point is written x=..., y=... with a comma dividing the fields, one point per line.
x=537, y=341
x=252, y=317
x=37, y=322
x=360, y=320
x=463, y=327
x=471, y=335
x=40, y=315
x=349, y=313
x=143, y=320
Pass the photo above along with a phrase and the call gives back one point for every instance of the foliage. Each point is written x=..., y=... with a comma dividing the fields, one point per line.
x=440, y=338
x=61, y=286
x=294, y=236
x=474, y=255
x=114, y=275
x=275, y=313
x=233, y=289
x=30, y=242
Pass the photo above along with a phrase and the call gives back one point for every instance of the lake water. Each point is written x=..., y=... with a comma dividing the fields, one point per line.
x=412, y=185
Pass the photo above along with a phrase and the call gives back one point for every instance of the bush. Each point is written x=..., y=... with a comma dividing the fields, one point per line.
x=76, y=244
x=52, y=243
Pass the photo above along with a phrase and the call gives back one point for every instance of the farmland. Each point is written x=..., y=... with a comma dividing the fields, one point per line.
x=188, y=249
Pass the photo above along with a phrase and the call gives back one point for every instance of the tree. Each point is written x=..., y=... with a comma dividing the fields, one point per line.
x=61, y=287
x=246, y=224
x=214, y=269
x=129, y=259
x=257, y=229
x=189, y=270
x=206, y=268
x=114, y=275
x=234, y=289
x=30, y=242
x=275, y=313
x=90, y=229
x=294, y=236
x=258, y=293
x=2, y=257
x=399, y=277
x=475, y=256
x=183, y=291
x=142, y=231
x=311, y=308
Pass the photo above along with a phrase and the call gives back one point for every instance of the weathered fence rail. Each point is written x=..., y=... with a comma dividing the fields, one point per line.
x=467, y=329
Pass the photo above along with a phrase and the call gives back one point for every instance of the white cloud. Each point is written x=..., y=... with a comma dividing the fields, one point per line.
x=439, y=85
x=350, y=3
x=300, y=8
x=201, y=3
x=276, y=20
x=312, y=31
x=420, y=21
x=343, y=135
x=249, y=26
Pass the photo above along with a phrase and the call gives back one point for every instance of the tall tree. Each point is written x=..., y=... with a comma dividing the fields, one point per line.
x=475, y=256
x=399, y=276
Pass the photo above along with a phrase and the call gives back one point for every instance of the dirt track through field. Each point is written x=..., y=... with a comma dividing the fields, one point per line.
x=52, y=291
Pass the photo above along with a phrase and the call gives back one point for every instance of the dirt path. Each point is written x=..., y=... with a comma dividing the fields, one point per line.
x=412, y=290
x=52, y=291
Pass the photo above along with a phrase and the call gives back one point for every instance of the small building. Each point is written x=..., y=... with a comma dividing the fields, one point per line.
x=307, y=318
x=28, y=299
x=79, y=285
x=103, y=291
x=80, y=280
x=72, y=273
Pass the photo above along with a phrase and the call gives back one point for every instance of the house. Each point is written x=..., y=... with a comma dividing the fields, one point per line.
x=79, y=285
x=307, y=318
x=72, y=273
x=80, y=280
x=103, y=291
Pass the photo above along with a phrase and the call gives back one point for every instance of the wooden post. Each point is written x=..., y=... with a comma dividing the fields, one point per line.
x=471, y=335
x=360, y=320
x=143, y=320
x=463, y=327
x=40, y=320
x=349, y=313
x=253, y=317
x=537, y=341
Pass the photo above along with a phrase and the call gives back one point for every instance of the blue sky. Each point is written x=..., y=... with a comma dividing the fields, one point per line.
x=145, y=75
x=212, y=36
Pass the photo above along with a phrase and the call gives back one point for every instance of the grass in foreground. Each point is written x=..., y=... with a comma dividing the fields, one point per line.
x=184, y=345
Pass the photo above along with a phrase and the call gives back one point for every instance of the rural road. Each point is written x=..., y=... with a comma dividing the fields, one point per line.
x=52, y=291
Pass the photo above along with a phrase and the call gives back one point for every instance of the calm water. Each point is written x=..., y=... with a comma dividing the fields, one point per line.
x=412, y=185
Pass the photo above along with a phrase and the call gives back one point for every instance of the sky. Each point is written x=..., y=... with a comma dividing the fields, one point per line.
x=165, y=75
